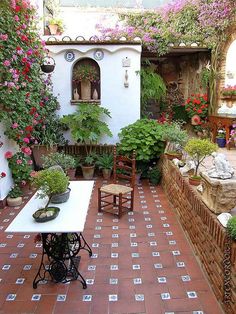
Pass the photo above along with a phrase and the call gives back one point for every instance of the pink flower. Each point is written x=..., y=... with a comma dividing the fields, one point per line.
x=3, y=36
x=19, y=161
x=16, y=18
x=30, y=162
x=33, y=174
x=26, y=151
x=26, y=140
x=8, y=155
x=7, y=63
x=15, y=125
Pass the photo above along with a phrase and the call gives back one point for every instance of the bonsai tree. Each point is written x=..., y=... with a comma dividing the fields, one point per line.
x=87, y=126
x=176, y=138
x=50, y=182
x=198, y=150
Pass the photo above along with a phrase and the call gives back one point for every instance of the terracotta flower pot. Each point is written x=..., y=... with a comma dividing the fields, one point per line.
x=88, y=172
x=71, y=173
x=194, y=180
x=106, y=174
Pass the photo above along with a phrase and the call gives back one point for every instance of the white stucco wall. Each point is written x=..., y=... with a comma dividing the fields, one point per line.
x=8, y=145
x=123, y=103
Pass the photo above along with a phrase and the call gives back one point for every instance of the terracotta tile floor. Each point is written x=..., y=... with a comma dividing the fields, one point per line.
x=141, y=264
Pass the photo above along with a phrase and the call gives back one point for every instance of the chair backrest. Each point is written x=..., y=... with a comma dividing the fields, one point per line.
x=124, y=168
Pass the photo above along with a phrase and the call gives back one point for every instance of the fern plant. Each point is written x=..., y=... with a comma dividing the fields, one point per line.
x=152, y=87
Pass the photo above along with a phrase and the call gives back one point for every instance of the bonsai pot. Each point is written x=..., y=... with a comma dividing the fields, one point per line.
x=88, y=172
x=14, y=201
x=61, y=198
x=194, y=180
x=221, y=142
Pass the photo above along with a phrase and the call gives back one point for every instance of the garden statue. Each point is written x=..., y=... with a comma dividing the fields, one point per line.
x=221, y=168
x=190, y=165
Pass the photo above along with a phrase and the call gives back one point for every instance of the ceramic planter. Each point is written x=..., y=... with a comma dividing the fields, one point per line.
x=15, y=201
x=42, y=150
x=194, y=180
x=221, y=142
x=61, y=198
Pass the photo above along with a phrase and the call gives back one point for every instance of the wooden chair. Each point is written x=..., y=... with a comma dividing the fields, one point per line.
x=118, y=197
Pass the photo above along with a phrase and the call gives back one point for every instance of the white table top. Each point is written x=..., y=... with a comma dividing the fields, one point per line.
x=71, y=217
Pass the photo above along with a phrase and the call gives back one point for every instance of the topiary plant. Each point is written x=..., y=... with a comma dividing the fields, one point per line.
x=145, y=137
x=199, y=149
x=231, y=227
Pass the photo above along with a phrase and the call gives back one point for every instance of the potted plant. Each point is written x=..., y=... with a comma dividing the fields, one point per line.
x=198, y=150
x=47, y=138
x=87, y=127
x=67, y=162
x=85, y=74
x=14, y=197
x=52, y=183
x=176, y=138
x=154, y=175
x=152, y=87
x=229, y=91
x=105, y=163
x=145, y=137
x=220, y=138
x=55, y=25
x=20, y=164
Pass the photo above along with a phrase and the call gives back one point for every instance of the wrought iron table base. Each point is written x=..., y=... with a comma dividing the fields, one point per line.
x=61, y=250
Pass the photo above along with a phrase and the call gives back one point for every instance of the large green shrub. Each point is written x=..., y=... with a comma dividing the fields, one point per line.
x=145, y=137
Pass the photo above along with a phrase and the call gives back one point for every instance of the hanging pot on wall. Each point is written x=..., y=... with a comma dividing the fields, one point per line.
x=48, y=64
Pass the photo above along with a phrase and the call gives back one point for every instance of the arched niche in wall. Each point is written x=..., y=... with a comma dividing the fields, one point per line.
x=230, y=66
x=226, y=104
x=86, y=81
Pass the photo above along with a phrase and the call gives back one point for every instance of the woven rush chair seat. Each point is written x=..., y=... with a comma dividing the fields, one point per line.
x=118, y=197
x=116, y=189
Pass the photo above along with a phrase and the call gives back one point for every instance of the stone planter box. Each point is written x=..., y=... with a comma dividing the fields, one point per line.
x=218, y=195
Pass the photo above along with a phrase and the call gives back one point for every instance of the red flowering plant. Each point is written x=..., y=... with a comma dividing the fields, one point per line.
x=26, y=97
x=2, y=174
x=229, y=90
x=196, y=107
x=20, y=164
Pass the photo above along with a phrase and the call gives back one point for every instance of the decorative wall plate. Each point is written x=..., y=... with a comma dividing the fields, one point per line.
x=98, y=54
x=69, y=56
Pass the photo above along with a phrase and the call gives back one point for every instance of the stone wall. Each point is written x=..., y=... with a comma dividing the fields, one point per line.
x=203, y=229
